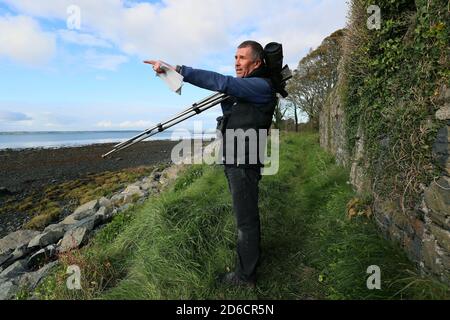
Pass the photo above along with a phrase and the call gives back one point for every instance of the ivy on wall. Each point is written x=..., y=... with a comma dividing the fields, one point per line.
x=391, y=81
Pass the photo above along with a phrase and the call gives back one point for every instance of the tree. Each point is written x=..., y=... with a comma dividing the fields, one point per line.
x=280, y=112
x=314, y=78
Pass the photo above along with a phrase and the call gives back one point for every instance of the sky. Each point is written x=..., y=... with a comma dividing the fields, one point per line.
x=69, y=65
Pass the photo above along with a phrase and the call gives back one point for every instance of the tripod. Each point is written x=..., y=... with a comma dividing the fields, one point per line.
x=193, y=110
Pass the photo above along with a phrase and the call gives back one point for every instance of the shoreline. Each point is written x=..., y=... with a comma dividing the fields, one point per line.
x=25, y=168
x=75, y=145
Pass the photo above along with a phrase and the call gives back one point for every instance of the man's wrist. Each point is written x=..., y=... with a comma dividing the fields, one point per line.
x=178, y=68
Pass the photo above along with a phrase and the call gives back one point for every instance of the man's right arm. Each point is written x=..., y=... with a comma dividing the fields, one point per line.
x=255, y=90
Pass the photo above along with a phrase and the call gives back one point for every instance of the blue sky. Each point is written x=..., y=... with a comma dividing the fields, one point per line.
x=56, y=76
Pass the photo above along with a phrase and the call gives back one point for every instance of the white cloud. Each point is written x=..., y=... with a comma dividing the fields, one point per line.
x=23, y=41
x=188, y=31
x=10, y=116
x=136, y=124
x=104, y=61
x=83, y=39
x=104, y=124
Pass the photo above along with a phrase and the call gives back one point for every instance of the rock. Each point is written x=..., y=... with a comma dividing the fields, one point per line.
x=442, y=236
x=146, y=180
x=437, y=199
x=129, y=199
x=86, y=210
x=117, y=200
x=31, y=280
x=16, y=269
x=57, y=227
x=20, y=252
x=44, y=239
x=443, y=113
x=441, y=149
x=13, y=241
x=150, y=185
x=103, y=215
x=131, y=193
x=74, y=238
x=69, y=220
x=88, y=223
x=444, y=94
x=146, y=186
x=8, y=290
x=41, y=256
x=5, y=256
x=104, y=202
x=132, y=189
x=430, y=256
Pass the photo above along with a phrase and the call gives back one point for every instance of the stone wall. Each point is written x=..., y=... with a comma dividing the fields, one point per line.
x=423, y=231
x=331, y=127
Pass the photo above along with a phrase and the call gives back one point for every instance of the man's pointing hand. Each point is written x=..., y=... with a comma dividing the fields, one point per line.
x=157, y=65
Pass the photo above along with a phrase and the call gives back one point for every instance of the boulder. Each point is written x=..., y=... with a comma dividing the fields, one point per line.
x=13, y=241
x=57, y=227
x=74, y=239
x=41, y=256
x=19, y=253
x=103, y=215
x=105, y=202
x=87, y=209
x=46, y=238
x=89, y=223
x=117, y=200
x=69, y=220
x=442, y=236
x=437, y=198
x=16, y=269
x=8, y=290
x=131, y=193
x=73, y=220
x=150, y=186
x=132, y=190
x=146, y=186
x=31, y=280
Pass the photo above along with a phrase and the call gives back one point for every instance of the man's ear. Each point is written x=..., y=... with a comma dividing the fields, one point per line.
x=258, y=63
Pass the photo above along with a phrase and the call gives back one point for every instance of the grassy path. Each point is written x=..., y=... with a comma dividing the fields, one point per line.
x=173, y=246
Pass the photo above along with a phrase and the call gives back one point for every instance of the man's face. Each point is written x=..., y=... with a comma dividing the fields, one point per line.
x=244, y=63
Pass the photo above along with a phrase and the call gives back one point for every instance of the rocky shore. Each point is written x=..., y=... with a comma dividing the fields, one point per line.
x=26, y=256
x=28, y=172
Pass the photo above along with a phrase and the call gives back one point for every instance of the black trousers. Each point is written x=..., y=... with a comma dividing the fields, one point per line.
x=243, y=185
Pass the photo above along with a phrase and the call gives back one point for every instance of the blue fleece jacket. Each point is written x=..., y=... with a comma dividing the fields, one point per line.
x=253, y=90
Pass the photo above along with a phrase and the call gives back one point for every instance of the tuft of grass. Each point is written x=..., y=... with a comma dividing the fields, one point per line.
x=47, y=215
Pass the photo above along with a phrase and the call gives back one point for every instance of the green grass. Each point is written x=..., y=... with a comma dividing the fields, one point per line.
x=174, y=245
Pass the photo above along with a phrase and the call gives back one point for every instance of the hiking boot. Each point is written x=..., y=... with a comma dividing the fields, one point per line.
x=233, y=280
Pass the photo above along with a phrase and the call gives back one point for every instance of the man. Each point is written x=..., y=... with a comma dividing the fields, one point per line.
x=250, y=107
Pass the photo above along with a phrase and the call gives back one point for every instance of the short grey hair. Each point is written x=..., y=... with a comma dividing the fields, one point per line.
x=257, y=49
